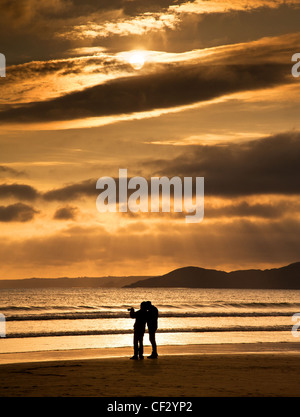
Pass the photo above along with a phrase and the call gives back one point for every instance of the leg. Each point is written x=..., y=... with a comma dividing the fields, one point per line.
x=141, y=346
x=135, y=346
x=153, y=343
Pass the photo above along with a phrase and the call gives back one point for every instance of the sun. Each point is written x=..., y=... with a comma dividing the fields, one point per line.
x=137, y=59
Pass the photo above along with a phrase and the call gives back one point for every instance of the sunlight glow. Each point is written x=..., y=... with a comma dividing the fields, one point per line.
x=137, y=59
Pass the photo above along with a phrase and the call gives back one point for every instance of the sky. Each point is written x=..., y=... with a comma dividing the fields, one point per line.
x=212, y=95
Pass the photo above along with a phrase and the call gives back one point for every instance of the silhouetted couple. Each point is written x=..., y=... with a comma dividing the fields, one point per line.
x=148, y=313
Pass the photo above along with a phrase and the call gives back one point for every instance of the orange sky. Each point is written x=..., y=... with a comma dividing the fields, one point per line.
x=215, y=98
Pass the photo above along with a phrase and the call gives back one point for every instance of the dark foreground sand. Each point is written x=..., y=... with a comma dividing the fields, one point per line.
x=220, y=371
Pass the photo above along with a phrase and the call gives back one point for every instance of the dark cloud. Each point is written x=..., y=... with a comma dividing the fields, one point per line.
x=229, y=27
x=129, y=7
x=19, y=191
x=18, y=212
x=27, y=12
x=136, y=7
x=10, y=172
x=258, y=210
x=269, y=165
x=86, y=188
x=101, y=64
x=235, y=209
x=65, y=213
x=264, y=166
x=36, y=28
x=72, y=191
x=174, y=86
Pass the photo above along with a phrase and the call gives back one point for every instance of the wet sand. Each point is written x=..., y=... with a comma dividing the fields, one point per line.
x=246, y=370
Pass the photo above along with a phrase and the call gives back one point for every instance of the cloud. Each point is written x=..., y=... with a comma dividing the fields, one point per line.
x=40, y=29
x=245, y=209
x=124, y=27
x=86, y=188
x=211, y=23
x=29, y=12
x=269, y=165
x=10, y=172
x=264, y=166
x=188, y=26
x=72, y=191
x=19, y=191
x=100, y=63
x=62, y=248
x=105, y=85
x=238, y=243
x=25, y=12
x=18, y=212
x=56, y=77
x=265, y=211
x=178, y=85
x=32, y=15
x=65, y=213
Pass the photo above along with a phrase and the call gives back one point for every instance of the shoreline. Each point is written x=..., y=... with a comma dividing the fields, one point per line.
x=165, y=350
x=243, y=370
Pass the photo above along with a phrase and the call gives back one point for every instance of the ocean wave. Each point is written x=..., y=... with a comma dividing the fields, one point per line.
x=61, y=333
x=120, y=315
x=241, y=305
x=40, y=308
x=164, y=307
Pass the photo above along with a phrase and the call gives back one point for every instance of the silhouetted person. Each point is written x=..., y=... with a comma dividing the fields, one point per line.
x=152, y=318
x=139, y=330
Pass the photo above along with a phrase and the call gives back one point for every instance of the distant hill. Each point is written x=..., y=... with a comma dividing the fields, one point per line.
x=287, y=277
x=81, y=282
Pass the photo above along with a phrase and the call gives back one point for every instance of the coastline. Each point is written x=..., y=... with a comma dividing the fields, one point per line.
x=119, y=352
x=268, y=369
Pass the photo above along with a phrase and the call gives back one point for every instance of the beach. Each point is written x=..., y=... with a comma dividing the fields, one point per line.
x=211, y=343
x=230, y=370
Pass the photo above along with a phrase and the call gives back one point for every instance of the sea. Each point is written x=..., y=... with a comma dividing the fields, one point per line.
x=33, y=320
